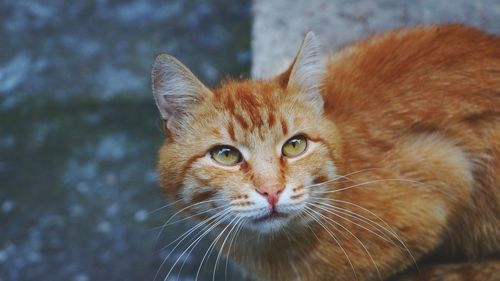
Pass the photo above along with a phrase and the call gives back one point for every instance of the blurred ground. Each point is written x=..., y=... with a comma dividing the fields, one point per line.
x=79, y=131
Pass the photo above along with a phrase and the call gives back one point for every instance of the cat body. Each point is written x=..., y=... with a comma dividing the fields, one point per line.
x=401, y=161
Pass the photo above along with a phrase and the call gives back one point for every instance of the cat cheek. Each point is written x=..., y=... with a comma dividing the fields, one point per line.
x=204, y=175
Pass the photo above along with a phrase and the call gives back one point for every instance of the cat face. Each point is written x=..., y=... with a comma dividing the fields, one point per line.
x=248, y=152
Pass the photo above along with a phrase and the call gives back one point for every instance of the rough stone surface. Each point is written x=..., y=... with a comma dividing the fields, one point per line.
x=280, y=24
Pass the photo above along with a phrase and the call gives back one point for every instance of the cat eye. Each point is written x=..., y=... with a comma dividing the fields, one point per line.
x=294, y=146
x=226, y=155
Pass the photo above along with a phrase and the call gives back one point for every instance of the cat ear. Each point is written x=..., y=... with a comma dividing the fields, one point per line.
x=175, y=88
x=306, y=72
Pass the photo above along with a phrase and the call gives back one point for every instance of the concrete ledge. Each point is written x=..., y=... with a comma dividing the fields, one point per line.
x=279, y=25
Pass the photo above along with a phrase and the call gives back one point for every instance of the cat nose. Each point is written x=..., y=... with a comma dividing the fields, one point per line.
x=271, y=191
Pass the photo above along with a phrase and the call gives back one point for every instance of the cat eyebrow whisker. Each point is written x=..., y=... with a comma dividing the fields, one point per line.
x=330, y=221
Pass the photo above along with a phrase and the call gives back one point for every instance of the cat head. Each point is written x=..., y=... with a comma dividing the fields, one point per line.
x=249, y=151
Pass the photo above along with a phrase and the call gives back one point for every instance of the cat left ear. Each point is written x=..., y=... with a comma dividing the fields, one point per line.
x=306, y=72
x=176, y=90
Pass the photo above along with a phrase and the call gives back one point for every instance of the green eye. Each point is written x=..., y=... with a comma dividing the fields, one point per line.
x=294, y=146
x=226, y=155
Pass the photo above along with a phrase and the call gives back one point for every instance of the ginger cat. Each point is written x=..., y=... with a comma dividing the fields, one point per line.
x=381, y=161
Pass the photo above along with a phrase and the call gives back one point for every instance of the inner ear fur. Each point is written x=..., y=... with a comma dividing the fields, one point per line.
x=176, y=90
x=306, y=72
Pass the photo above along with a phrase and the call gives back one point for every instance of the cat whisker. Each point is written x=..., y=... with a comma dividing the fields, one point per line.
x=303, y=214
x=164, y=206
x=314, y=217
x=222, y=247
x=198, y=225
x=195, y=241
x=334, y=210
x=192, y=241
x=290, y=237
x=367, y=183
x=379, y=236
x=195, y=215
x=169, y=204
x=330, y=220
x=186, y=218
x=346, y=176
x=186, y=234
x=335, y=179
x=388, y=229
x=182, y=238
x=212, y=246
x=240, y=226
x=181, y=210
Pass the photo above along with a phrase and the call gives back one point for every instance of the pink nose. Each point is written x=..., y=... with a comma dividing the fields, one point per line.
x=271, y=191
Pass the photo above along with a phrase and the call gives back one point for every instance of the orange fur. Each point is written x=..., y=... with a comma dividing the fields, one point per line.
x=410, y=118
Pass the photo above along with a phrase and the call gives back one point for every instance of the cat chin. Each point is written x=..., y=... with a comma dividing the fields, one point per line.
x=268, y=225
x=271, y=224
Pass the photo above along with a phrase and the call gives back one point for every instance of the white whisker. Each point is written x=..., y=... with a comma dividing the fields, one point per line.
x=340, y=177
x=164, y=206
x=222, y=247
x=352, y=234
x=211, y=247
x=388, y=229
x=336, y=210
x=366, y=183
x=195, y=215
x=185, y=235
x=181, y=210
x=312, y=215
x=230, y=244
x=195, y=241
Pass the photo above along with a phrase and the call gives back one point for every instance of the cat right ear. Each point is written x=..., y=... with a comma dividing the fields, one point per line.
x=306, y=72
x=176, y=89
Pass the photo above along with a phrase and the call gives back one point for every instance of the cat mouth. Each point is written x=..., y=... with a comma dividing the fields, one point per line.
x=270, y=217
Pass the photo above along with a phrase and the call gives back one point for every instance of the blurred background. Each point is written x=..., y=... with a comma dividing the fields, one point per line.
x=79, y=130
